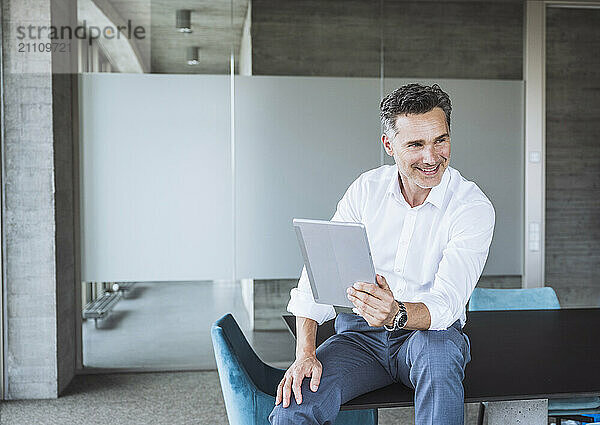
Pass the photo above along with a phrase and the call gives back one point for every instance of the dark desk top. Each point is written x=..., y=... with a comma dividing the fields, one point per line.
x=516, y=355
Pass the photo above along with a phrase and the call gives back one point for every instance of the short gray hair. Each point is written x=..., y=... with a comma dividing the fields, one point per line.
x=412, y=99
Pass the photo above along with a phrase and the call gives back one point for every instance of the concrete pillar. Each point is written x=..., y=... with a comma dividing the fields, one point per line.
x=39, y=212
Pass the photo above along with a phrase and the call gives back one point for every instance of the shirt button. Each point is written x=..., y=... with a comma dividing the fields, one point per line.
x=397, y=269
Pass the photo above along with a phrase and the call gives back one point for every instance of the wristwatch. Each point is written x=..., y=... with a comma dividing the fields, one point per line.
x=399, y=320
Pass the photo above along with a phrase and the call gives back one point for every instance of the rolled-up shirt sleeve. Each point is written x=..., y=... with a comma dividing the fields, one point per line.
x=302, y=302
x=461, y=264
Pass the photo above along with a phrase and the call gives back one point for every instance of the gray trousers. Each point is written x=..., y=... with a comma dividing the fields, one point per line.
x=360, y=358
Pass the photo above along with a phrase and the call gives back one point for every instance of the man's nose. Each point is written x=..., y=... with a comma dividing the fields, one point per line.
x=429, y=156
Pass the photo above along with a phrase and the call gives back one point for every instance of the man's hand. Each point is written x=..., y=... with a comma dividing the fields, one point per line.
x=375, y=303
x=304, y=367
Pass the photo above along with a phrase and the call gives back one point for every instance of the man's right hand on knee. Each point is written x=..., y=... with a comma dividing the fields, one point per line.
x=305, y=366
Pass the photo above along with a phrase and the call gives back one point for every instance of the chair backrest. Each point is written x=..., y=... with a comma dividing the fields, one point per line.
x=247, y=383
x=513, y=299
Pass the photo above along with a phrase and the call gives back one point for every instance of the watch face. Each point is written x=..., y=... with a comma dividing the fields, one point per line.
x=402, y=317
x=402, y=320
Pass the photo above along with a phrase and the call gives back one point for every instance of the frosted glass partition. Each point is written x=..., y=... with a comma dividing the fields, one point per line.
x=156, y=168
x=155, y=177
x=487, y=148
x=300, y=142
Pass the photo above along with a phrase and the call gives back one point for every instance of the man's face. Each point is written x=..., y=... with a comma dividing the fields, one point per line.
x=421, y=147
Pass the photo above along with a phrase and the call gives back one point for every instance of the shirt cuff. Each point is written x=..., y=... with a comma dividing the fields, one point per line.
x=441, y=319
x=303, y=305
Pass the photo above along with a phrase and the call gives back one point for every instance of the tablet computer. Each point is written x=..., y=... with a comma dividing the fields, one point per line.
x=336, y=254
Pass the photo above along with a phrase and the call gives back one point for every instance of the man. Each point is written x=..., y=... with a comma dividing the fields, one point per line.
x=429, y=230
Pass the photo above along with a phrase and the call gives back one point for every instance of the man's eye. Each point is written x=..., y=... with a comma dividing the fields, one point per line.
x=414, y=145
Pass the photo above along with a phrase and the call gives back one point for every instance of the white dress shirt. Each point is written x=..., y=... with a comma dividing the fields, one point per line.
x=433, y=253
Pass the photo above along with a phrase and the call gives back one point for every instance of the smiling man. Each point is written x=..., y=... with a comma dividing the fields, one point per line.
x=429, y=230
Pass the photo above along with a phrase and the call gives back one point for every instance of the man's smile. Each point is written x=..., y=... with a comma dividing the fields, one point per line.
x=431, y=171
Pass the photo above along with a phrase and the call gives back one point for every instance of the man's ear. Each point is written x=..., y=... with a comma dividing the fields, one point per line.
x=387, y=144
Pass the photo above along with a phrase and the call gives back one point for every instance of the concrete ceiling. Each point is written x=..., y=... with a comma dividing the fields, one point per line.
x=214, y=28
x=213, y=33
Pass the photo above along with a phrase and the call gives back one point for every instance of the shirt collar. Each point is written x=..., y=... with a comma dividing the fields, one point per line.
x=436, y=194
x=394, y=185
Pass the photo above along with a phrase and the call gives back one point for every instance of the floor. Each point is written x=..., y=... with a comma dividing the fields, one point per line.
x=173, y=398
x=148, y=398
x=166, y=325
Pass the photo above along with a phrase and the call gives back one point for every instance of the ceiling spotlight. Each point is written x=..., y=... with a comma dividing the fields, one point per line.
x=183, y=20
x=192, y=56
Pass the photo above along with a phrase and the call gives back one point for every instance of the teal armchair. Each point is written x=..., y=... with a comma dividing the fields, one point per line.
x=249, y=385
x=513, y=299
